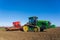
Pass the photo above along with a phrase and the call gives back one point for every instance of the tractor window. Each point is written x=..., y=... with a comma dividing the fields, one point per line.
x=31, y=21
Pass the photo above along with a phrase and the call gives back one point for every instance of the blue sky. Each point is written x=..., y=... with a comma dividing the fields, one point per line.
x=20, y=10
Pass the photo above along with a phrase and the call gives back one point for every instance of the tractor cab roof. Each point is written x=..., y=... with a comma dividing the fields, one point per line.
x=33, y=17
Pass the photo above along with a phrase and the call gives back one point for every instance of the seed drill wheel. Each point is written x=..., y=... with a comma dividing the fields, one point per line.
x=25, y=28
x=35, y=29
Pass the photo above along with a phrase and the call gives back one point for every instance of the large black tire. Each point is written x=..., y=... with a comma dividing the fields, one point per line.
x=41, y=29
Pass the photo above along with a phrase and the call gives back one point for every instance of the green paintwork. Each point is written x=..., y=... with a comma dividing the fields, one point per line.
x=46, y=23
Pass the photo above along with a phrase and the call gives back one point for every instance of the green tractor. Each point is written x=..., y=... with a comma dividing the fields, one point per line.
x=36, y=25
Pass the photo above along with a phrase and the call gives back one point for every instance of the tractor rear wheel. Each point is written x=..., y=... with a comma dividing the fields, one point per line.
x=35, y=29
x=25, y=28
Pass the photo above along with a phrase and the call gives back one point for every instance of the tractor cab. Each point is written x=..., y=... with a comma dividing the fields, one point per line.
x=33, y=20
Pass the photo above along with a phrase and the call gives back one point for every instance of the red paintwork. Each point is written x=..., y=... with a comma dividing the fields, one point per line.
x=17, y=24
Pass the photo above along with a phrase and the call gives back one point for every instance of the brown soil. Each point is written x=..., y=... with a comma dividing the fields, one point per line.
x=49, y=34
